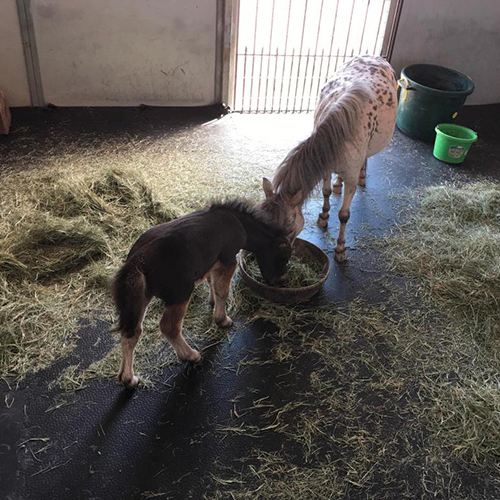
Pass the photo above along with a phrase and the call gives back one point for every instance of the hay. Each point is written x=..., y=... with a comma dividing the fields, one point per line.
x=62, y=239
x=376, y=411
x=276, y=476
x=466, y=416
x=451, y=245
x=101, y=192
x=398, y=395
x=433, y=366
x=45, y=247
x=300, y=272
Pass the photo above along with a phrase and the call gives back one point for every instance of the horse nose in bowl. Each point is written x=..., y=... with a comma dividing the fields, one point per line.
x=281, y=280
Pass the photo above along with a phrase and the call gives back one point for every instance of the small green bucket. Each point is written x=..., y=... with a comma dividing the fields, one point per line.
x=453, y=142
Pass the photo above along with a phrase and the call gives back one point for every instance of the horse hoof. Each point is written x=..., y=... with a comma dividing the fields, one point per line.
x=362, y=183
x=225, y=323
x=340, y=256
x=129, y=384
x=193, y=357
x=322, y=223
x=337, y=189
x=196, y=362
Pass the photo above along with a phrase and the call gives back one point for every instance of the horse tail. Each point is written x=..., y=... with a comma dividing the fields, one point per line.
x=336, y=125
x=129, y=293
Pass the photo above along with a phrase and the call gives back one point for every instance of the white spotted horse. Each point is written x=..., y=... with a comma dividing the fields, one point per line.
x=168, y=260
x=354, y=119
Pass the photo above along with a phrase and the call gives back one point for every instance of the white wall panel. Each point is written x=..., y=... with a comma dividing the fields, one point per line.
x=126, y=52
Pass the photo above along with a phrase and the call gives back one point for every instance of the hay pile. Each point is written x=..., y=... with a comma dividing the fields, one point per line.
x=451, y=244
x=62, y=237
x=59, y=247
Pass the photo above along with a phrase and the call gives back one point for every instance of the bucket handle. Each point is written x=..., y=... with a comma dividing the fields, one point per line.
x=405, y=85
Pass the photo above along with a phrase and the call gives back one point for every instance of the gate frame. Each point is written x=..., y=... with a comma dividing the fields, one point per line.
x=228, y=14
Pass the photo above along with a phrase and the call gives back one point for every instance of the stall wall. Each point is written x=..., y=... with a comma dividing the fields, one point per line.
x=126, y=52
x=13, y=77
x=162, y=52
x=460, y=34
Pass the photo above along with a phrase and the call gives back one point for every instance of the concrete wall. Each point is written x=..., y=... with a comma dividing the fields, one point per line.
x=126, y=52
x=461, y=34
x=13, y=77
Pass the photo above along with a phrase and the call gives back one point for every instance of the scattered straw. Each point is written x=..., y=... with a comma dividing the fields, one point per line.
x=398, y=397
x=452, y=245
x=65, y=231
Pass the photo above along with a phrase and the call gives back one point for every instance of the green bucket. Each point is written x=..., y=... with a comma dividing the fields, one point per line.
x=429, y=95
x=453, y=142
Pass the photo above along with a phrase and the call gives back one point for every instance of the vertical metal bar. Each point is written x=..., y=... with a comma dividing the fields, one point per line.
x=364, y=26
x=284, y=58
x=290, y=81
x=269, y=59
x=391, y=39
x=300, y=55
x=320, y=73
x=253, y=52
x=260, y=77
x=30, y=52
x=305, y=79
x=349, y=30
x=315, y=55
x=337, y=59
x=244, y=80
x=219, y=49
x=379, y=24
x=331, y=43
x=274, y=78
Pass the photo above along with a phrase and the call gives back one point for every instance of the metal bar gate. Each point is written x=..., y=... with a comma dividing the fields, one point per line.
x=287, y=49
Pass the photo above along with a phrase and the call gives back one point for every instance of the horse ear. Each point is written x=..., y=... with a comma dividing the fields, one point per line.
x=296, y=199
x=267, y=187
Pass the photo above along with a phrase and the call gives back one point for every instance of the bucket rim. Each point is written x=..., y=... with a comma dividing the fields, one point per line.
x=434, y=91
x=472, y=139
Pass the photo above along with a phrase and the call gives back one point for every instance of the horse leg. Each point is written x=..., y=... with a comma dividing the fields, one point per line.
x=211, y=299
x=337, y=185
x=344, y=213
x=327, y=191
x=221, y=281
x=126, y=375
x=171, y=327
x=362, y=175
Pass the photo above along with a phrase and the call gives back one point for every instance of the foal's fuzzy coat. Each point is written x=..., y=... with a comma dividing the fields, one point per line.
x=168, y=260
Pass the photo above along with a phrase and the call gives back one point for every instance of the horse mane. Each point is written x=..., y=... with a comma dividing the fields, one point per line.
x=336, y=124
x=248, y=208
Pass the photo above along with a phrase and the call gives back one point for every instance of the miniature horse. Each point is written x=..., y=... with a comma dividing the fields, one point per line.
x=354, y=119
x=168, y=260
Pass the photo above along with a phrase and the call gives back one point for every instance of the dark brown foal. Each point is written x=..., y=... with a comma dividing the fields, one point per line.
x=169, y=260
